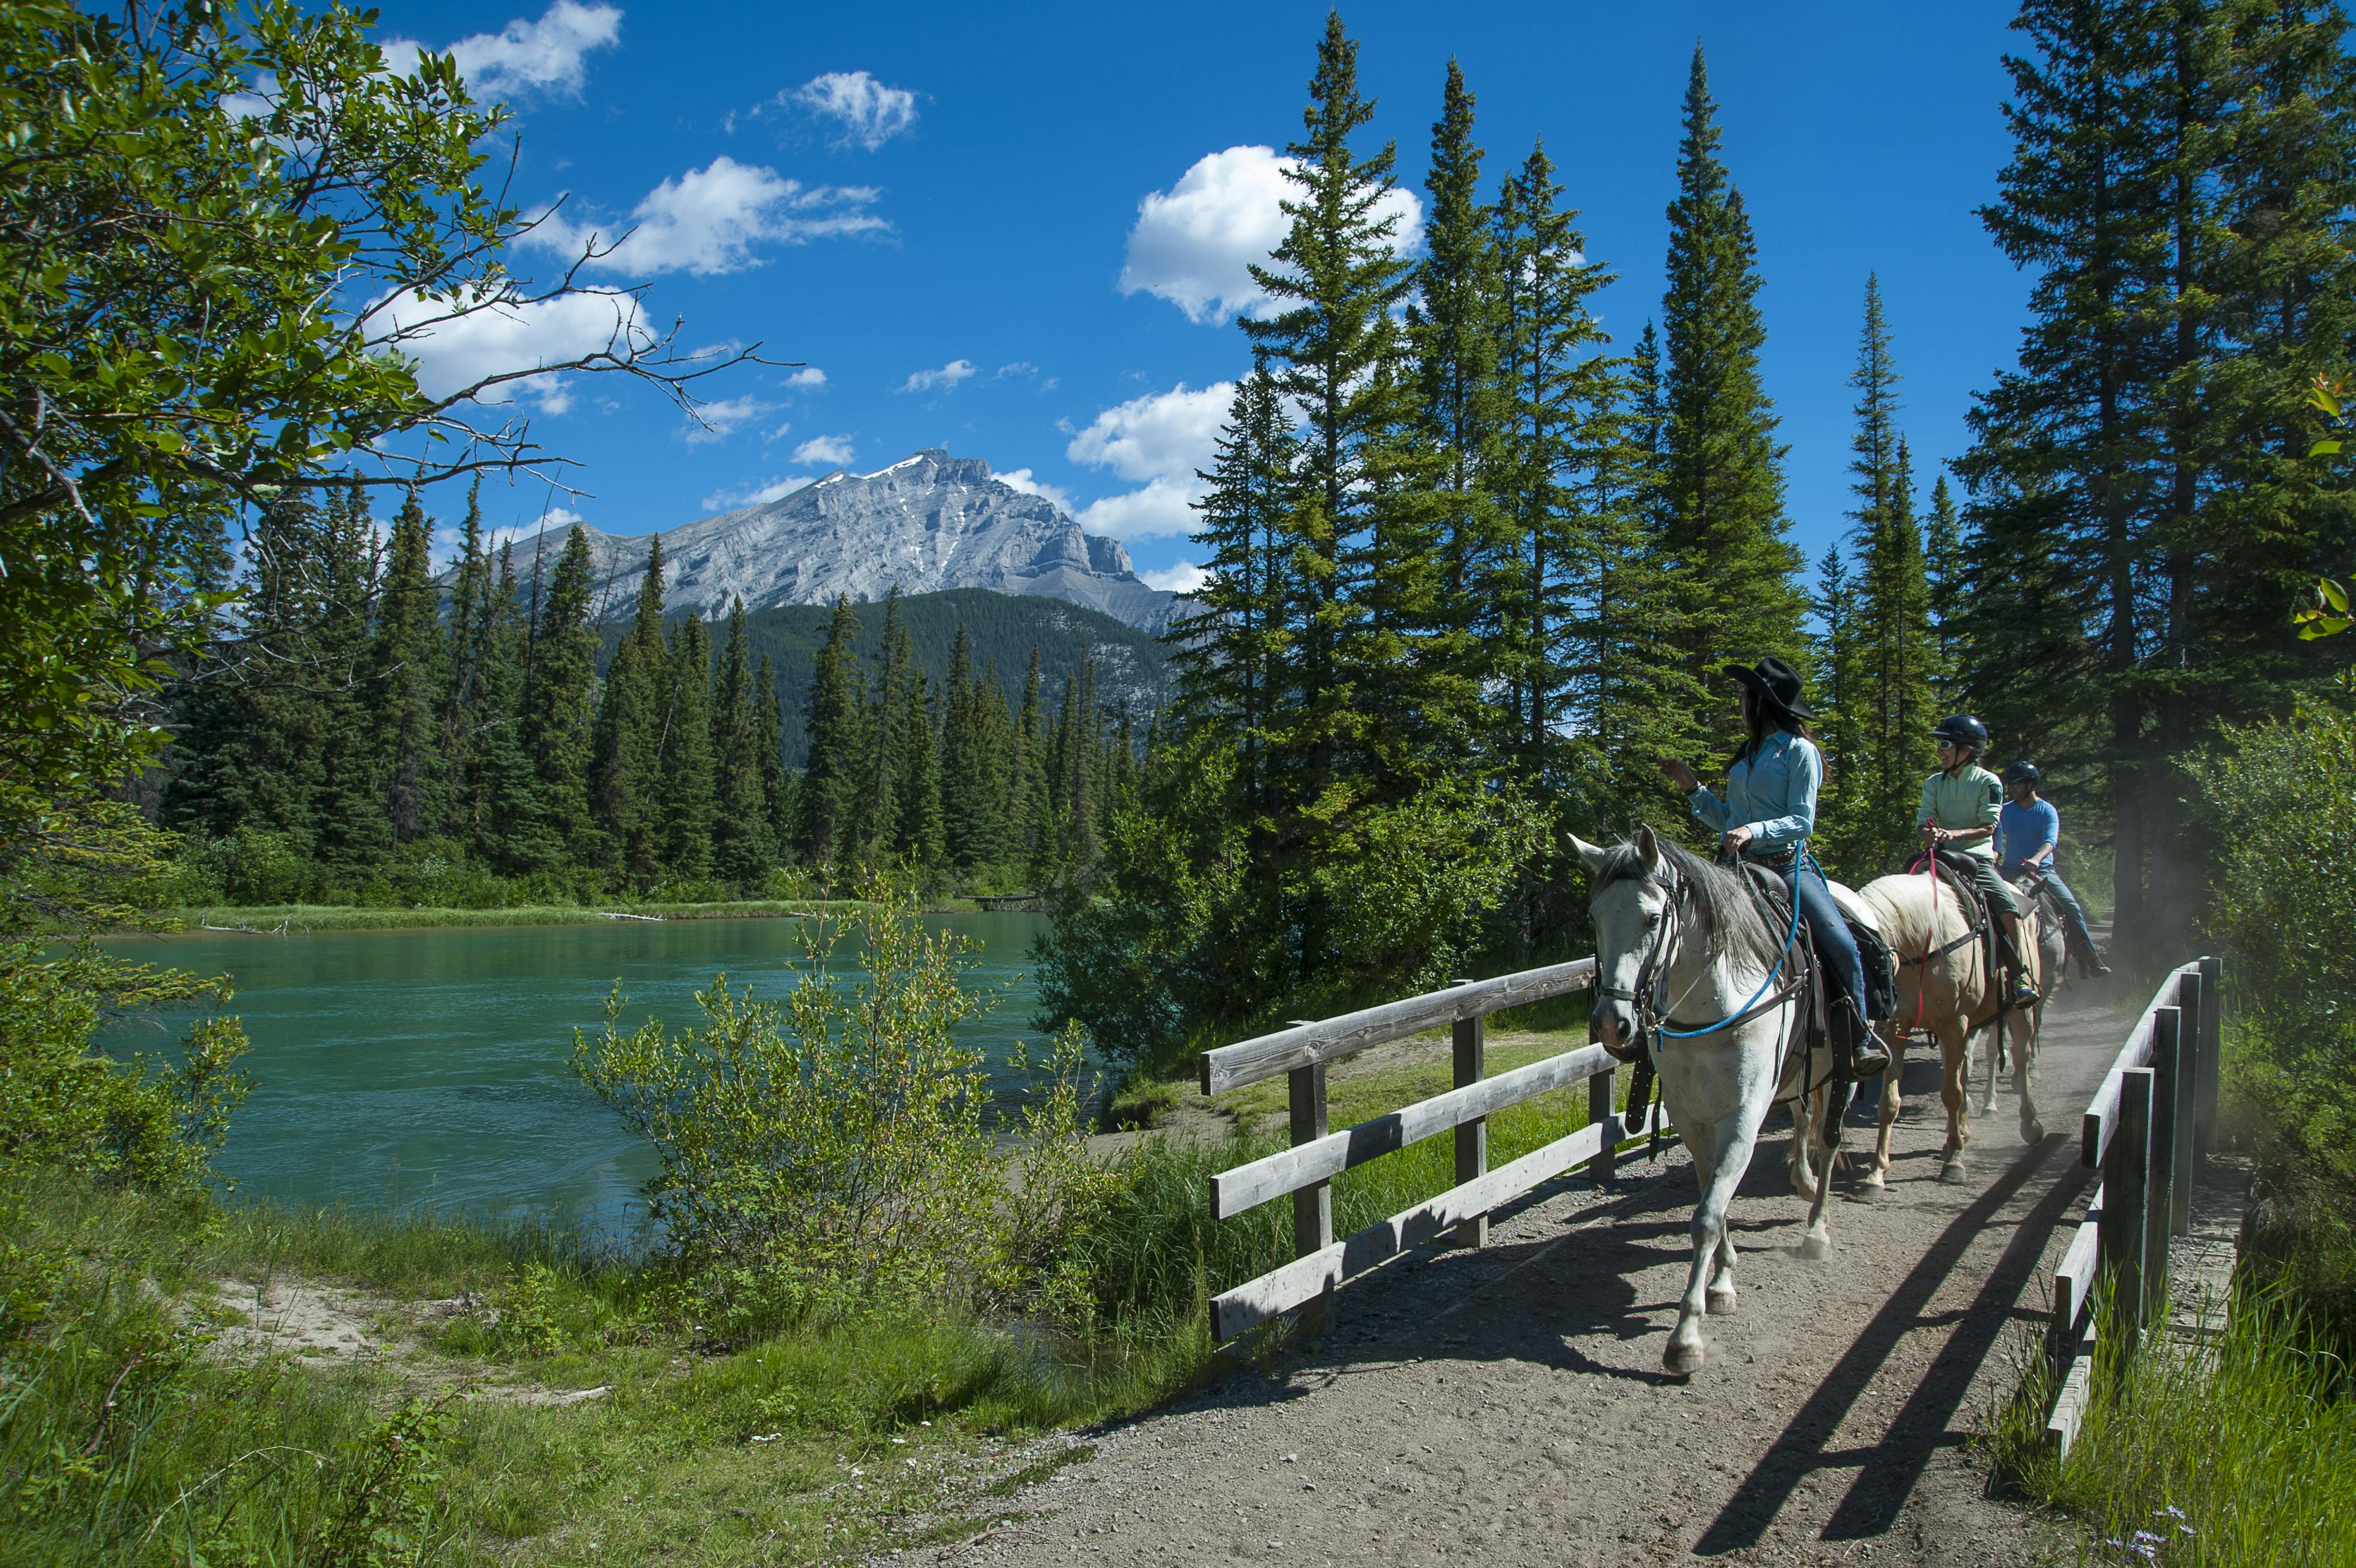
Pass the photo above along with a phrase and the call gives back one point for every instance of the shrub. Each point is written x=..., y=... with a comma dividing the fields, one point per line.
x=835, y=1154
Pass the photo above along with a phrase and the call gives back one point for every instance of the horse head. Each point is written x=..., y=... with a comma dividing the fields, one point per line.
x=1631, y=898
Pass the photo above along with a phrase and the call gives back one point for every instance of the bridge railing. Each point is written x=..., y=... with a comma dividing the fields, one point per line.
x=1302, y=1052
x=2146, y=1128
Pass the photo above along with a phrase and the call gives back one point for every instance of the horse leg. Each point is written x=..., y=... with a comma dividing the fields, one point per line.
x=1817, y=1242
x=1995, y=1070
x=2024, y=1053
x=1805, y=1113
x=1956, y=1091
x=1877, y=1178
x=1730, y=1152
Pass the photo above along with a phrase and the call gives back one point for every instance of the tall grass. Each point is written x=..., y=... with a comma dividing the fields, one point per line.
x=2237, y=1452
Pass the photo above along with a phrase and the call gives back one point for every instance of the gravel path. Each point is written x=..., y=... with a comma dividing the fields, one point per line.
x=1506, y=1406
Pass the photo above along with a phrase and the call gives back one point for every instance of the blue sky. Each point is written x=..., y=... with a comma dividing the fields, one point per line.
x=1017, y=232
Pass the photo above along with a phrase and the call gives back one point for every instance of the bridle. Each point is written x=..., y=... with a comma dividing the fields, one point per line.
x=1655, y=1014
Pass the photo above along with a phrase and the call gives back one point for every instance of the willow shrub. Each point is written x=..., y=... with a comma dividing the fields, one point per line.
x=836, y=1153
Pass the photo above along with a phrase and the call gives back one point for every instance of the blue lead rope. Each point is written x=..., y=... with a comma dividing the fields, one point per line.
x=1801, y=864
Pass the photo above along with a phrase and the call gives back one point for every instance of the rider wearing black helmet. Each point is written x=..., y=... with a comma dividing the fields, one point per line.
x=2028, y=832
x=1958, y=814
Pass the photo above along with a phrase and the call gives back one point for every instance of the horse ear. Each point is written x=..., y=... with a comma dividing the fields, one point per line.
x=1594, y=854
x=1649, y=847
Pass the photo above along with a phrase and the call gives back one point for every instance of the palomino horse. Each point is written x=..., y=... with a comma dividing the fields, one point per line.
x=1945, y=986
x=1680, y=945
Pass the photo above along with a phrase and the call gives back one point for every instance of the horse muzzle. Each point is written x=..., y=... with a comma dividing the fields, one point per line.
x=1611, y=1024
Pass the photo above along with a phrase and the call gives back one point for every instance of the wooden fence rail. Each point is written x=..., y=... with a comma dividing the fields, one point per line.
x=2146, y=1130
x=1307, y=1169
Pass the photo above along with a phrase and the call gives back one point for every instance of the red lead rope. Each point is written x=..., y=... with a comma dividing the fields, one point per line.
x=1923, y=980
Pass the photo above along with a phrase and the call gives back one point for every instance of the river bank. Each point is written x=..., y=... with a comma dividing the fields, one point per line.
x=277, y=919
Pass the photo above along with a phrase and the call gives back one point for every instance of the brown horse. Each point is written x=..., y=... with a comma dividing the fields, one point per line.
x=1945, y=988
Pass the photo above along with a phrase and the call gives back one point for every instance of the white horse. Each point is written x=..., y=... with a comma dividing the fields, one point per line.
x=1686, y=940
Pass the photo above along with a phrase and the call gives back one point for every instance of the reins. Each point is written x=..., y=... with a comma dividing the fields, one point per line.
x=1753, y=1007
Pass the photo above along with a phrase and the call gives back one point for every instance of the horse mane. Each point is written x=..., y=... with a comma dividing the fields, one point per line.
x=1722, y=908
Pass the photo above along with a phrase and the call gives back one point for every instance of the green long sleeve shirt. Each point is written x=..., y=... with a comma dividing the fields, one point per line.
x=1968, y=798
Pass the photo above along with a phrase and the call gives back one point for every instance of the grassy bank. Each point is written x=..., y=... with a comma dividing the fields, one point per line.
x=268, y=919
x=2232, y=1453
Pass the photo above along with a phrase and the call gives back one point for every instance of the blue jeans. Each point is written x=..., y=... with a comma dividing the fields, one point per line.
x=2074, y=912
x=1835, y=947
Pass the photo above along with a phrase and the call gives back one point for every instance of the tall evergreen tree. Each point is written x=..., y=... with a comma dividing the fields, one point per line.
x=1944, y=569
x=972, y=765
x=625, y=761
x=560, y=702
x=1030, y=815
x=744, y=842
x=351, y=831
x=1721, y=470
x=1840, y=724
x=689, y=791
x=461, y=706
x=406, y=677
x=828, y=796
x=777, y=786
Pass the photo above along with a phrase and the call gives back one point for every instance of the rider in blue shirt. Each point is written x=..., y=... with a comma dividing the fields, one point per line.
x=1768, y=813
x=2028, y=831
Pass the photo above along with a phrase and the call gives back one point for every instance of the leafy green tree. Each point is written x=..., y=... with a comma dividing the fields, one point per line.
x=170, y=235
x=1721, y=470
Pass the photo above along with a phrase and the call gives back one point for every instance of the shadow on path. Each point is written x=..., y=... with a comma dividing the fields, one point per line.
x=1893, y=1465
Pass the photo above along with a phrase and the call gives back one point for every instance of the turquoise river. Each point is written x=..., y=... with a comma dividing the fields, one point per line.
x=429, y=1069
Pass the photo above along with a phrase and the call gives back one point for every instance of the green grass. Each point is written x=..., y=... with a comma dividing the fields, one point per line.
x=1355, y=1093
x=2236, y=1454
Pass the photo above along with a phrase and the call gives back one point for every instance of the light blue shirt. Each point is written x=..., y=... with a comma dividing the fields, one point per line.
x=1772, y=793
x=2022, y=831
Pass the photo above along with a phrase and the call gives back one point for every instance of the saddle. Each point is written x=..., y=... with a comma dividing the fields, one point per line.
x=1815, y=1033
x=1959, y=881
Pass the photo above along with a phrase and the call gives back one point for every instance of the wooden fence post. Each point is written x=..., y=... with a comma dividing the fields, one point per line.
x=1473, y=1136
x=2190, y=1048
x=2159, y=1154
x=2126, y=1166
x=1312, y=1206
x=2204, y=1099
x=1599, y=1112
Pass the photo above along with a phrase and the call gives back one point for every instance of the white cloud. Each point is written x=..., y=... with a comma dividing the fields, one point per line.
x=1184, y=578
x=754, y=495
x=721, y=418
x=868, y=112
x=779, y=434
x=523, y=57
x=456, y=352
x=449, y=537
x=711, y=219
x=1019, y=368
x=946, y=377
x=1021, y=479
x=1159, y=441
x=808, y=378
x=1193, y=244
x=834, y=451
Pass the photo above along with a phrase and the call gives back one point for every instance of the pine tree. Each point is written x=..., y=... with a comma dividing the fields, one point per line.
x=626, y=764
x=1031, y=814
x=1722, y=474
x=460, y=707
x=406, y=675
x=1841, y=729
x=972, y=771
x=920, y=832
x=744, y=842
x=560, y=702
x=885, y=742
x=777, y=789
x=1889, y=702
x=829, y=785
x=1943, y=567
x=689, y=788
x=351, y=833
x=509, y=824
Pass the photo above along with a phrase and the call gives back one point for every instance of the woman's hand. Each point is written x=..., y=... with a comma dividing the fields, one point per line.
x=1933, y=835
x=1734, y=840
x=1678, y=774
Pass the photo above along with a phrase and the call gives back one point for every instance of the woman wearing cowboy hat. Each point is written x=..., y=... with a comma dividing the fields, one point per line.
x=1768, y=813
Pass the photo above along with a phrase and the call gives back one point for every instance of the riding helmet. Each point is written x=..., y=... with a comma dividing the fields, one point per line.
x=2024, y=773
x=1964, y=730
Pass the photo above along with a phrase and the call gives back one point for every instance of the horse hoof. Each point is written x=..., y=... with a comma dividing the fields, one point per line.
x=1681, y=1360
x=1816, y=1248
x=1952, y=1171
x=1869, y=1192
x=1721, y=1304
x=2033, y=1134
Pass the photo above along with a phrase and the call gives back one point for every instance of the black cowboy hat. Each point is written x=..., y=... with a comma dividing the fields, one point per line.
x=1777, y=683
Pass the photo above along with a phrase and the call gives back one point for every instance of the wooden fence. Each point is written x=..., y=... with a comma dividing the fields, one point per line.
x=1307, y=1169
x=2146, y=1130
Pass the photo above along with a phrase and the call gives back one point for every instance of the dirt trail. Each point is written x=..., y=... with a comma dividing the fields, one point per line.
x=1507, y=1406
